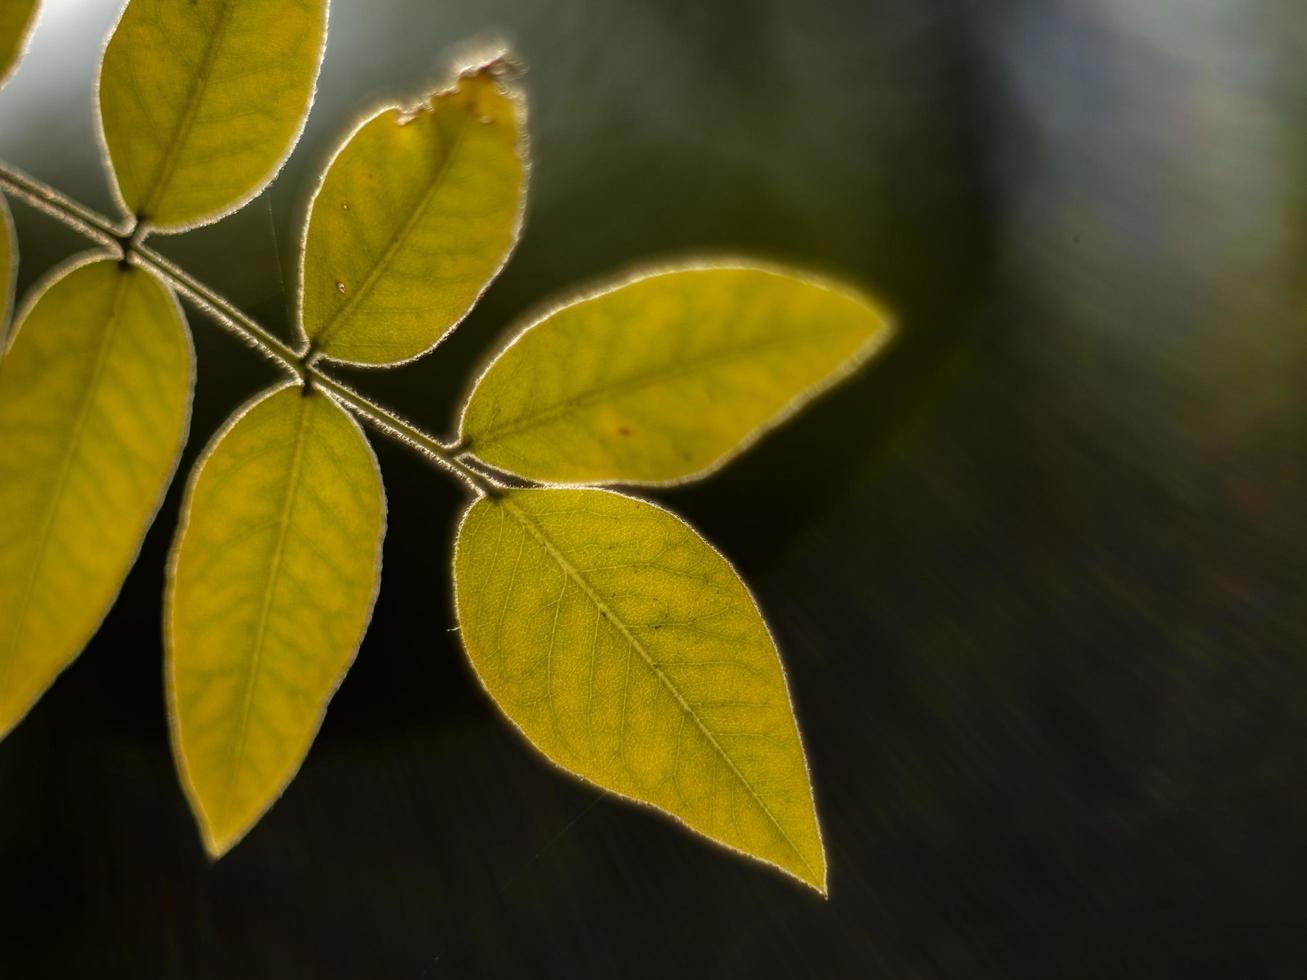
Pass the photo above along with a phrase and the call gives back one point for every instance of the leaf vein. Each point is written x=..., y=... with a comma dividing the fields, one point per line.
x=532, y=527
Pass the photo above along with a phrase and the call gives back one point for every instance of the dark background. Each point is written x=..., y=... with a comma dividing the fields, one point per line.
x=1037, y=574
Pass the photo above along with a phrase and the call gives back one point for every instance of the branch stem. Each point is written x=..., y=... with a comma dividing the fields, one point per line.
x=130, y=247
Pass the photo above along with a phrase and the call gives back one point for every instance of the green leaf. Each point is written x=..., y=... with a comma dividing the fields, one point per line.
x=416, y=214
x=8, y=266
x=273, y=576
x=630, y=653
x=201, y=103
x=95, y=396
x=17, y=18
x=665, y=377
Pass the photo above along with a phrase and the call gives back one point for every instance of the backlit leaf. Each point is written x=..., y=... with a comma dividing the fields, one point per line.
x=17, y=18
x=631, y=654
x=274, y=572
x=8, y=266
x=201, y=102
x=95, y=396
x=665, y=377
x=416, y=214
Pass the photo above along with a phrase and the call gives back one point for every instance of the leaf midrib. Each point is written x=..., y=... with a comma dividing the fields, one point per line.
x=65, y=468
x=398, y=239
x=636, y=382
x=570, y=570
x=182, y=130
x=265, y=609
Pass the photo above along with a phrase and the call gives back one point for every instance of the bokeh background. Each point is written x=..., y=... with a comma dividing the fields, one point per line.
x=1037, y=574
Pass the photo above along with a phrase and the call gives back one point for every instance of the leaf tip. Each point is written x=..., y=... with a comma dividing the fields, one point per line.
x=817, y=882
x=487, y=87
x=493, y=62
x=814, y=874
x=214, y=849
x=8, y=722
x=485, y=75
x=821, y=885
x=216, y=839
x=219, y=834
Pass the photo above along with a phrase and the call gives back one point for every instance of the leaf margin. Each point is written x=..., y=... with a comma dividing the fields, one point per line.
x=24, y=42
x=641, y=271
x=822, y=889
x=213, y=852
x=498, y=59
x=33, y=295
x=106, y=161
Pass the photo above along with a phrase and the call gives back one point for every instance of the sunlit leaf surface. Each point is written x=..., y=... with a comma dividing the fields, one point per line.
x=17, y=18
x=416, y=214
x=274, y=573
x=95, y=394
x=201, y=102
x=665, y=377
x=630, y=653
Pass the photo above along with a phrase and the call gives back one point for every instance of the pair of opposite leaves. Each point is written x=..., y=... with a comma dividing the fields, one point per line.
x=623, y=646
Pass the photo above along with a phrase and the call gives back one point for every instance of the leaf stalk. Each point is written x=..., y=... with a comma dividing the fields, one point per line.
x=128, y=241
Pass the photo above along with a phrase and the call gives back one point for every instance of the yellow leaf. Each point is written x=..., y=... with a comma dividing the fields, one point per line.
x=201, y=103
x=95, y=396
x=17, y=18
x=630, y=653
x=665, y=377
x=273, y=576
x=416, y=214
x=8, y=265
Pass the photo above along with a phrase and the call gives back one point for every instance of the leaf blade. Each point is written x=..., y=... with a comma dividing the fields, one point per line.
x=17, y=19
x=665, y=377
x=84, y=461
x=274, y=572
x=176, y=76
x=630, y=654
x=387, y=272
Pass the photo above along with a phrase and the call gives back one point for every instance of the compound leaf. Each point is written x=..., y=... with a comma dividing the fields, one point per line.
x=630, y=653
x=95, y=394
x=665, y=377
x=201, y=103
x=416, y=214
x=273, y=577
x=17, y=18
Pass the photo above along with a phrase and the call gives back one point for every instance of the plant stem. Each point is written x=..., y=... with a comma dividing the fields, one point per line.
x=59, y=206
x=103, y=231
x=218, y=308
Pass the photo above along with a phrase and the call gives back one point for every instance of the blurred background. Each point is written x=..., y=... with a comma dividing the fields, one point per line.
x=1037, y=574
